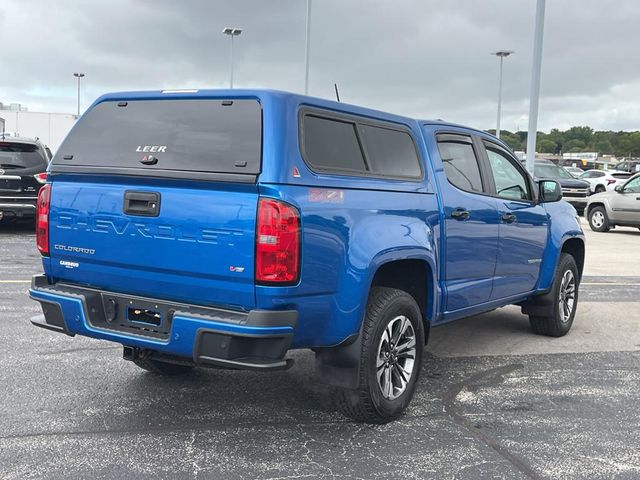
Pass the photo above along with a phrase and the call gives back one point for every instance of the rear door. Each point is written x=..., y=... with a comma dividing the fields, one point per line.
x=523, y=224
x=158, y=198
x=470, y=223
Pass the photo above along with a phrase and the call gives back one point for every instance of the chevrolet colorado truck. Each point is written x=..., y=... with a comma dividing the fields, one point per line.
x=225, y=228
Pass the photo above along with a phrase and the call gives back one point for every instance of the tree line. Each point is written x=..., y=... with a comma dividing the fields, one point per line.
x=577, y=139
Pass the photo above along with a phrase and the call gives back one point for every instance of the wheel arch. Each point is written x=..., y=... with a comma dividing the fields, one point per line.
x=575, y=247
x=414, y=275
x=593, y=205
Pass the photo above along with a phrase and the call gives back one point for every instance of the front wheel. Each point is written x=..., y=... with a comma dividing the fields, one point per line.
x=564, y=301
x=598, y=220
x=390, y=359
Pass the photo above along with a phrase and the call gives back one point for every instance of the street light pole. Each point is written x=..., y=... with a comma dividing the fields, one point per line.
x=501, y=54
x=308, y=46
x=535, y=86
x=78, y=76
x=232, y=32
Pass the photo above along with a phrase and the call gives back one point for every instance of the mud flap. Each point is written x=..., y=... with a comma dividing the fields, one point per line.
x=340, y=366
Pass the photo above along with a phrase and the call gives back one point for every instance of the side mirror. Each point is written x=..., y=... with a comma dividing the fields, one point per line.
x=618, y=188
x=549, y=191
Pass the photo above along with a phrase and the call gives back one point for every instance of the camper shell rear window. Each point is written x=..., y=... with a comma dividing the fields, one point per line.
x=186, y=135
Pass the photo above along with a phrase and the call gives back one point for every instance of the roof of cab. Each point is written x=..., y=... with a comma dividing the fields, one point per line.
x=264, y=95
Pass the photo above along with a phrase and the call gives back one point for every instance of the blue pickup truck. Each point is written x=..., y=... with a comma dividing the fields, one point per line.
x=224, y=228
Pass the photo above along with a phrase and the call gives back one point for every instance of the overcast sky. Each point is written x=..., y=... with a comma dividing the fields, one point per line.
x=422, y=58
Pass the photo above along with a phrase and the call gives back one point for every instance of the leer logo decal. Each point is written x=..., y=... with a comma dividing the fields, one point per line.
x=152, y=148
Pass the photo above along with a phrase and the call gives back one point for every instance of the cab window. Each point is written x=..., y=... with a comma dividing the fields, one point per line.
x=510, y=181
x=632, y=186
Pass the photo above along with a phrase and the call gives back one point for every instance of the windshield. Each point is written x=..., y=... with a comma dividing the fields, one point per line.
x=550, y=171
x=20, y=155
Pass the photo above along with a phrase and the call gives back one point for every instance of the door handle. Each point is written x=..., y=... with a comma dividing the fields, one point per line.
x=508, y=218
x=143, y=204
x=460, y=214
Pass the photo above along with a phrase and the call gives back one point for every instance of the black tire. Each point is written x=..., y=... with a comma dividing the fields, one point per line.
x=367, y=403
x=161, y=368
x=556, y=323
x=600, y=189
x=595, y=225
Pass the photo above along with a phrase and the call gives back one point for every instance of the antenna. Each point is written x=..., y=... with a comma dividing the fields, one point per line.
x=335, y=86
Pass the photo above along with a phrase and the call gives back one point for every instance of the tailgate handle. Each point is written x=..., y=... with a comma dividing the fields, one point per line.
x=143, y=204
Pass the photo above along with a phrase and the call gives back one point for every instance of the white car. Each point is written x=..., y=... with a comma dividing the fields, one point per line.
x=601, y=180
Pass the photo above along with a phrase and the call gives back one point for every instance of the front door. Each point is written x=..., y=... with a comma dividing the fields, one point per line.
x=523, y=225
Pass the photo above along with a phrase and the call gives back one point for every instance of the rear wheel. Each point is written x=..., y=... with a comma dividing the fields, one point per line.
x=563, y=299
x=600, y=189
x=598, y=220
x=390, y=359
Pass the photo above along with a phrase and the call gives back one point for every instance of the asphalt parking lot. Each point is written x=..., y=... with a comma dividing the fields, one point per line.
x=494, y=400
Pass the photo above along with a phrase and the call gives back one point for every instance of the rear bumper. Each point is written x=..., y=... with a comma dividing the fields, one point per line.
x=17, y=207
x=258, y=339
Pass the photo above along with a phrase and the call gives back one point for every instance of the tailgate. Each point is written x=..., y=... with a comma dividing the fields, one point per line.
x=199, y=249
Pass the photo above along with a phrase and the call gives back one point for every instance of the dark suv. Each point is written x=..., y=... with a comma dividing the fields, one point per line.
x=574, y=191
x=23, y=165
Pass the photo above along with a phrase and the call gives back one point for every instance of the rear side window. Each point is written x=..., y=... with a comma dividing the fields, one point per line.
x=332, y=144
x=15, y=156
x=390, y=152
x=197, y=135
x=461, y=165
x=354, y=147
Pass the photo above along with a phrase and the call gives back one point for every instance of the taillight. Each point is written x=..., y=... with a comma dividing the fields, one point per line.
x=42, y=222
x=277, y=243
x=41, y=177
x=610, y=181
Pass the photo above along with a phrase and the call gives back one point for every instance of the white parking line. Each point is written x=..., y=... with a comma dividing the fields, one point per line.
x=15, y=281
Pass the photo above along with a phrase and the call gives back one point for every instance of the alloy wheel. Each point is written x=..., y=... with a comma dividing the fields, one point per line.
x=396, y=357
x=567, y=295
